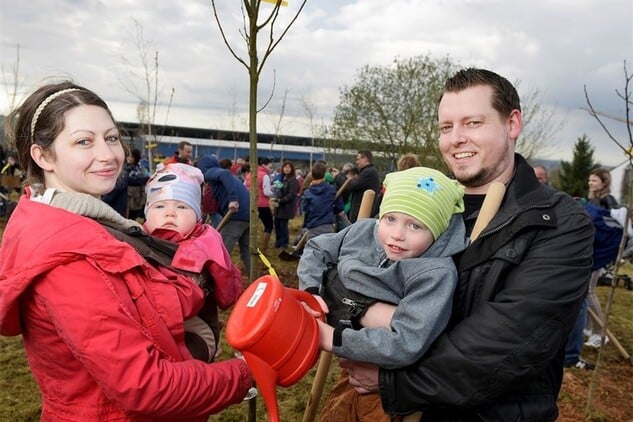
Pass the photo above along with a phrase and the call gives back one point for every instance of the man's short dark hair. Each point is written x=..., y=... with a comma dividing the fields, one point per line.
x=367, y=154
x=183, y=144
x=505, y=97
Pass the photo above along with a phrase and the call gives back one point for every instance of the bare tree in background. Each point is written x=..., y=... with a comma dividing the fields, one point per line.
x=317, y=130
x=144, y=85
x=252, y=26
x=539, y=126
x=12, y=83
x=626, y=145
x=278, y=138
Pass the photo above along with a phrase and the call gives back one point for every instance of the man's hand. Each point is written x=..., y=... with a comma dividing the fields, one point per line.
x=362, y=376
x=234, y=206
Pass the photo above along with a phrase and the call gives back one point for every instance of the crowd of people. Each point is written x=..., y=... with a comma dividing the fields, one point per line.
x=116, y=289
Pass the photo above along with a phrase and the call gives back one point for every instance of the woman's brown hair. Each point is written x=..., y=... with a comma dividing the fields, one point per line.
x=40, y=119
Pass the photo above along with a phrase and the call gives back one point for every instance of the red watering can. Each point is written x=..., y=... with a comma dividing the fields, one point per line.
x=277, y=336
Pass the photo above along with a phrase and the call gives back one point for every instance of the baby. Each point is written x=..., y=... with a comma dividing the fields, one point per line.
x=173, y=212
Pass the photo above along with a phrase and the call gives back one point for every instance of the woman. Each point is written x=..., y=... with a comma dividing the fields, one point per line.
x=600, y=189
x=102, y=329
x=286, y=204
x=264, y=192
x=599, y=183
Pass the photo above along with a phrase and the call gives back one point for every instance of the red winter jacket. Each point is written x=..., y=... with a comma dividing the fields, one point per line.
x=204, y=248
x=103, y=330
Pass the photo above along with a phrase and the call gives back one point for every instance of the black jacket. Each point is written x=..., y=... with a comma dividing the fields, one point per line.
x=288, y=198
x=368, y=178
x=520, y=289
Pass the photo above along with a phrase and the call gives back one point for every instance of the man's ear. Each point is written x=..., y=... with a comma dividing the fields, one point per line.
x=41, y=158
x=515, y=122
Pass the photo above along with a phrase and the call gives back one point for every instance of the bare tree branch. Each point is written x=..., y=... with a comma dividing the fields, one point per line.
x=272, y=46
x=272, y=92
x=594, y=114
x=226, y=41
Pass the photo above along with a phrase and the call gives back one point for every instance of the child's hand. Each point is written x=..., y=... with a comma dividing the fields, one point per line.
x=326, y=336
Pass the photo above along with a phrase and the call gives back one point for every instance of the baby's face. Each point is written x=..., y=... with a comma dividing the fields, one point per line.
x=170, y=214
x=402, y=236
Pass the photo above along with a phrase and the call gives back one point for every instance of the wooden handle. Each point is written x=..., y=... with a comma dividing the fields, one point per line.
x=340, y=190
x=225, y=219
x=366, y=204
x=302, y=242
x=489, y=208
x=614, y=340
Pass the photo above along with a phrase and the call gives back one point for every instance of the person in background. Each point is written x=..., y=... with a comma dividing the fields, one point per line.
x=184, y=154
x=541, y=174
x=573, y=347
x=404, y=258
x=230, y=194
x=299, y=176
x=600, y=189
x=226, y=163
x=319, y=204
x=264, y=192
x=521, y=282
x=137, y=176
x=117, y=197
x=367, y=179
x=599, y=183
x=339, y=181
x=236, y=167
x=285, y=204
x=102, y=328
x=407, y=161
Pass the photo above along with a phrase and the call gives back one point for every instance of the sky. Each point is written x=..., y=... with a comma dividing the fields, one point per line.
x=554, y=46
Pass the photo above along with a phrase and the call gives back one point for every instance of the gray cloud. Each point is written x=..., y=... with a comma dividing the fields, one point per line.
x=556, y=47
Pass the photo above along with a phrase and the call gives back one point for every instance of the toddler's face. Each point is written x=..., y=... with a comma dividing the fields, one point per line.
x=170, y=214
x=402, y=236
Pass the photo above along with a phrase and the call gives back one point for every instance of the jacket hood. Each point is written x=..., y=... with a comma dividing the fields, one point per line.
x=206, y=162
x=452, y=241
x=320, y=188
x=41, y=237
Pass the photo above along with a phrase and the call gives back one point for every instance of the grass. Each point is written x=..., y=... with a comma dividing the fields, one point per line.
x=20, y=401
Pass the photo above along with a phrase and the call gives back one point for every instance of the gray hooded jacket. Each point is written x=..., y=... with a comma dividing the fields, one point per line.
x=422, y=288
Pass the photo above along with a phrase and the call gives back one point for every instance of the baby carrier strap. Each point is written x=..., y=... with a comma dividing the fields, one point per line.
x=161, y=252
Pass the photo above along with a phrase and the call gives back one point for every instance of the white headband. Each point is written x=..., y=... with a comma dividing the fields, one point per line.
x=43, y=104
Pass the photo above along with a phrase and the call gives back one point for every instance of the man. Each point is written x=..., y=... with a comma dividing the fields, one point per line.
x=183, y=155
x=541, y=174
x=522, y=281
x=230, y=194
x=367, y=179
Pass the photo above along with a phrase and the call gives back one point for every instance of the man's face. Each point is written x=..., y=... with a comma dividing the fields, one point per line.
x=186, y=152
x=361, y=161
x=476, y=142
x=541, y=175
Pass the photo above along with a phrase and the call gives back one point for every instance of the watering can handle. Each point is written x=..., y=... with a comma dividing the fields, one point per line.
x=303, y=296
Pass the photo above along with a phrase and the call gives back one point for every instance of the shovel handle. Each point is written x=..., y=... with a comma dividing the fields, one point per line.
x=225, y=219
x=340, y=190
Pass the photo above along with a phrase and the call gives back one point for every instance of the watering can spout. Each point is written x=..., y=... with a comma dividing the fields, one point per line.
x=266, y=379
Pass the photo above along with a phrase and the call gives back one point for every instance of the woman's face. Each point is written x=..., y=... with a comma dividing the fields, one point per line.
x=287, y=169
x=87, y=155
x=595, y=183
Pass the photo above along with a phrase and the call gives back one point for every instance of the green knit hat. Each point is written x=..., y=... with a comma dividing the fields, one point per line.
x=425, y=194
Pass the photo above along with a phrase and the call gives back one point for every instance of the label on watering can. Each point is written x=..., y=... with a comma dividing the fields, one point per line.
x=257, y=295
